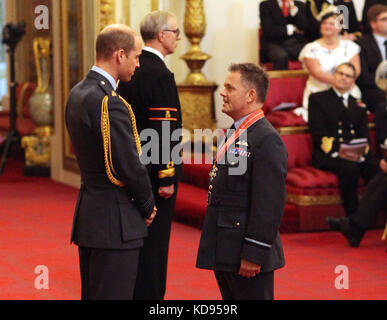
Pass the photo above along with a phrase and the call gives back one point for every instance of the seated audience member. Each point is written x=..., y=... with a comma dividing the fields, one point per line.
x=336, y=118
x=282, y=22
x=321, y=58
x=375, y=196
x=315, y=7
x=366, y=28
x=373, y=51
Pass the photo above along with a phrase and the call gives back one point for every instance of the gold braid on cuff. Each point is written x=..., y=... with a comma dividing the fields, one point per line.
x=105, y=130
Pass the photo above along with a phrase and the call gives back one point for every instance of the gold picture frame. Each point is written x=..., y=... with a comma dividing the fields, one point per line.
x=72, y=65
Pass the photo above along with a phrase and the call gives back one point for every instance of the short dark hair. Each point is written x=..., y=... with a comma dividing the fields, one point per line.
x=350, y=65
x=253, y=75
x=112, y=40
x=374, y=11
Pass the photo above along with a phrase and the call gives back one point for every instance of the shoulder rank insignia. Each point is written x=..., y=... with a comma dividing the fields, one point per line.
x=327, y=144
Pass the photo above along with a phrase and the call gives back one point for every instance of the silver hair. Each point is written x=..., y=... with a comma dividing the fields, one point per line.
x=381, y=76
x=153, y=23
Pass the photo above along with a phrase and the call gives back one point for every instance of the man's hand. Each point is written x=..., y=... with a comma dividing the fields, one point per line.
x=383, y=165
x=152, y=216
x=249, y=269
x=166, y=192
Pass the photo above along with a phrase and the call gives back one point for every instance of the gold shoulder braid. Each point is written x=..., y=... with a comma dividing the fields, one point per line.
x=105, y=130
x=313, y=9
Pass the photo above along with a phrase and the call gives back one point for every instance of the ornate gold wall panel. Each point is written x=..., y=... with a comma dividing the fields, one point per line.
x=197, y=107
x=72, y=65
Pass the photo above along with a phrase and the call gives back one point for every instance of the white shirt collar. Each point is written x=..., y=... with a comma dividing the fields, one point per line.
x=380, y=41
x=239, y=121
x=106, y=75
x=156, y=52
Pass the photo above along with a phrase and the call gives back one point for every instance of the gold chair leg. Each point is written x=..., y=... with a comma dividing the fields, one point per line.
x=384, y=233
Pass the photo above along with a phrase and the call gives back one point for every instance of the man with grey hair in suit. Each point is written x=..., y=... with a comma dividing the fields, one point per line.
x=153, y=95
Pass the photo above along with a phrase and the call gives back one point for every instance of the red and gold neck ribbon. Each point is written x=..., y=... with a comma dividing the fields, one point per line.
x=248, y=122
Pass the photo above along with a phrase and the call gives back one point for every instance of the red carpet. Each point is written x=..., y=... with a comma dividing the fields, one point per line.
x=36, y=217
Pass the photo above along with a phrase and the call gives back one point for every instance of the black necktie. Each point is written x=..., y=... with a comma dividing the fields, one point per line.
x=385, y=48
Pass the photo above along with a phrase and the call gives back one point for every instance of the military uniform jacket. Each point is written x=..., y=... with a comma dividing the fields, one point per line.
x=152, y=92
x=106, y=216
x=244, y=211
x=331, y=123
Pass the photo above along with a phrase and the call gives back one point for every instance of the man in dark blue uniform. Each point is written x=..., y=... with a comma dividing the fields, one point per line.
x=115, y=203
x=153, y=95
x=240, y=239
x=336, y=118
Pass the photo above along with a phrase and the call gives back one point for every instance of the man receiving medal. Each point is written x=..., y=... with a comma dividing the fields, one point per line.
x=240, y=237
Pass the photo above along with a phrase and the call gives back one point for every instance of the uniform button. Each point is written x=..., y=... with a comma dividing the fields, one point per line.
x=210, y=187
x=103, y=83
x=341, y=139
x=340, y=123
x=340, y=131
x=352, y=131
x=238, y=224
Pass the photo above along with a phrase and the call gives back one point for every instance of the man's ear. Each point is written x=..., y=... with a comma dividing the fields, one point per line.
x=119, y=55
x=251, y=95
x=160, y=36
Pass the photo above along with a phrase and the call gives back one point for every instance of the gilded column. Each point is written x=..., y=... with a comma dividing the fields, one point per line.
x=196, y=92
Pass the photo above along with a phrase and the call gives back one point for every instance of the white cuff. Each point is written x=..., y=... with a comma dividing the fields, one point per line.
x=290, y=29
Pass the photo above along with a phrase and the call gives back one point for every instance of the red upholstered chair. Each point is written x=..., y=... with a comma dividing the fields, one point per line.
x=24, y=123
x=285, y=86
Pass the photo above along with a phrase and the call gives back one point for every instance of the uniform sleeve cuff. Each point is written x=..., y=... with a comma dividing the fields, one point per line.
x=255, y=252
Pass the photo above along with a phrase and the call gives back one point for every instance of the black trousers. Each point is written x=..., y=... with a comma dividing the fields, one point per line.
x=373, y=97
x=108, y=274
x=348, y=174
x=280, y=54
x=152, y=267
x=234, y=287
x=374, y=199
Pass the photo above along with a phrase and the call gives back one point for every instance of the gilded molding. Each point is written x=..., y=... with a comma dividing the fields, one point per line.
x=106, y=13
x=305, y=200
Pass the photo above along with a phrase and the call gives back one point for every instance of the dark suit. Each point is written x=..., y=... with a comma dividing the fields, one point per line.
x=153, y=95
x=244, y=213
x=330, y=119
x=368, y=4
x=277, y=46
x=370, y=58
x=108, y=224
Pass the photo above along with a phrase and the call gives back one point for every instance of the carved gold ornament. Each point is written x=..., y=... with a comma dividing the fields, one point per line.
x=194, y=28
